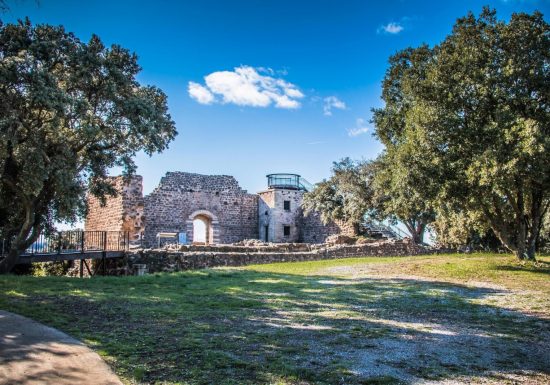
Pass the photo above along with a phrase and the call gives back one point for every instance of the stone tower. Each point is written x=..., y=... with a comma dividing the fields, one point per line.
x=121, y=213
x=280, y=208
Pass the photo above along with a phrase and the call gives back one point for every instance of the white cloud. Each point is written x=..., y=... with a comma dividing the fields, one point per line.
x=200, y=93
x=359, y=129
x=247, y=86
x=331, y=102
x=391, y=28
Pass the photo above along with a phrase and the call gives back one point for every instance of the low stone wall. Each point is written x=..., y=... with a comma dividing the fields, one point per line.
x=172, y=260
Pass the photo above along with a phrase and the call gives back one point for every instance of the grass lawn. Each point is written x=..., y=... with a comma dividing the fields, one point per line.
x=477, y=318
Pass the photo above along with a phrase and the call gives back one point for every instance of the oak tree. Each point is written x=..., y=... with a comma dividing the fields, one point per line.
x=69, y=111
x=346, y=196
x=473, y=113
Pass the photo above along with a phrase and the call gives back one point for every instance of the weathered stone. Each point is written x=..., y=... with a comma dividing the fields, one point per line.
x=340, y=239
x=229, y=213
x=160, y=260
x=123, y=212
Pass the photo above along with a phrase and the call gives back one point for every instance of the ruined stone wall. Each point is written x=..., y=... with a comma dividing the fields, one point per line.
x=230, y=212
x=181, y=196
x=170, y=261
x=123, y=212
x=315, y=231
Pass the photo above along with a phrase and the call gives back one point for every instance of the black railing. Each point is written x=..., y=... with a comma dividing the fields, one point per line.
x=72, y=242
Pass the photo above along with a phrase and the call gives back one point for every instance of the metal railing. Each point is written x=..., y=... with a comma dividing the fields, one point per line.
x=72, y=242
x=384, y=230
x=288, y=181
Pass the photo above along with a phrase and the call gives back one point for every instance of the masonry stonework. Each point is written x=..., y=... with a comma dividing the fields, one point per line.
x=275, y=215
x=123, y=212
x=229, y=213
x=178, y=260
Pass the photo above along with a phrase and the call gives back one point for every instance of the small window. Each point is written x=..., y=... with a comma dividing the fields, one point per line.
x=286, y=231
x=286, y=205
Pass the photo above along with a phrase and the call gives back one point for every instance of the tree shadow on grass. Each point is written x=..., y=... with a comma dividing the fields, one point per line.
x=542, y=267
x=247, y=327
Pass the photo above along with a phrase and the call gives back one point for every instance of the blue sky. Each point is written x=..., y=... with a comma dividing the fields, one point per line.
x=257, y=87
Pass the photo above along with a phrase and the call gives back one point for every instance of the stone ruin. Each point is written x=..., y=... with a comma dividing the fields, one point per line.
x=228, y=213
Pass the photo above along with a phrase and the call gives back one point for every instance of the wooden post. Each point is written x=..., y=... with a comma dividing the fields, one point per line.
x=59, y=236
x=81, y=268
x=82, y=242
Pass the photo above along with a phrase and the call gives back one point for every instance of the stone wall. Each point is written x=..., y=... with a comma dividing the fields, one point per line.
x=315, y=231
x=275, y=217
x=123, y=212
x=231, y=213
x=303, y=228
x=170, y=261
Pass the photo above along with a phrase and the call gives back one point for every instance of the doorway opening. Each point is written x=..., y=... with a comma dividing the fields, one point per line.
x=202, y=230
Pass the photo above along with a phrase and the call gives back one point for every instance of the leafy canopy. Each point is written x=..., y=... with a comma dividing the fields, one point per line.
x=346, y=196
x=69, y=111
x=472, y=115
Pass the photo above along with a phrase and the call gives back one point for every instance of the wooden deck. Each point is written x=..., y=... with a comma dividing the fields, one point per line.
x=76, y=245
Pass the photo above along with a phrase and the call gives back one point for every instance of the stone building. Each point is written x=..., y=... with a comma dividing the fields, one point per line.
x=281, y=218
x=121, y=213
x=211, y=209
x=227, y=212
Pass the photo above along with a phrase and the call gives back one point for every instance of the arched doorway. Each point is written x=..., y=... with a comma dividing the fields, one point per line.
x=203, y=228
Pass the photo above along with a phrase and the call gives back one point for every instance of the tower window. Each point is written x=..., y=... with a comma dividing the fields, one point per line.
x=286, y=231
x=286, y=205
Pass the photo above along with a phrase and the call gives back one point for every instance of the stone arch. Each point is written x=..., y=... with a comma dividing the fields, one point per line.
x=211, y=223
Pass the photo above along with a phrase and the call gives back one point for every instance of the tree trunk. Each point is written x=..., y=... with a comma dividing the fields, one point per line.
x=355, y=228
x=9, y=262
x=521, y=238
x=26, y=238
x=416, y=229
x=419, y=233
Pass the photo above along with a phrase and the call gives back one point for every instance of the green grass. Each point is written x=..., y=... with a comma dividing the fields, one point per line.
x=317, y=322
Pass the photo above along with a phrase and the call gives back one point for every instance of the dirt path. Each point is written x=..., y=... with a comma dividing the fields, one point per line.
x=32, y=353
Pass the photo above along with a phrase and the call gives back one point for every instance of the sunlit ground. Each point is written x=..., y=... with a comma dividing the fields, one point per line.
x=453, y=319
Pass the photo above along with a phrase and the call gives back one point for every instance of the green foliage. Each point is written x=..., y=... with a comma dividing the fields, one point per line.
x=470, y=118
x=69, y=111
x=42, y=269
x=402, y=193
x=346, y=196
x=402, y=184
